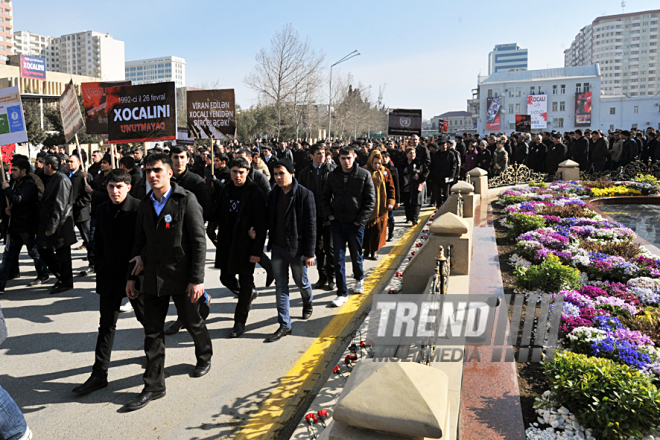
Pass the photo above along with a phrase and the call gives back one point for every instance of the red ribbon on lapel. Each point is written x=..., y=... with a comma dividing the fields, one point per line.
x=167, y=226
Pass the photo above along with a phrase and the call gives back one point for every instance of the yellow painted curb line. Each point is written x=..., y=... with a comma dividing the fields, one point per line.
x=284, y=400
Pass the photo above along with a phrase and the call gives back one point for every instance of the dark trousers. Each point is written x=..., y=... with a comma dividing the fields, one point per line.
x=155, y=312
x=325, y=253
x=59, y=263
x=85, y=229
x=244, y=286
x=13, y=250
x=109, y=308
x=351, y=234
x=212, y=232
x=444, y=192
x=412, y=211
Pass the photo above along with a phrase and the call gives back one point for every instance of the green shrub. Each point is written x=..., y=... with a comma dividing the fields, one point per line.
x=549, y=276
x=524, y=223
x=540, y=184
x=613, y=400
x=510, y=200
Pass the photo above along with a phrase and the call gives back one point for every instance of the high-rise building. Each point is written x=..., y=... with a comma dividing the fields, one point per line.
x=155, y=70
x=6, y=27
x=92, y=53
x=28, y=43
x=507, y=58
x=626, y=47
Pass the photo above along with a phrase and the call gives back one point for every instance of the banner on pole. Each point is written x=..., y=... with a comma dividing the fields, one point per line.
x=523, y=123
x=583, y=109
x=12, y=122
x=141, y=113
x=95, y=105
x=72, y=121
x=493, y=117
x=33, y=67
x=405, y=122
x=211, y=114
x=537, y=107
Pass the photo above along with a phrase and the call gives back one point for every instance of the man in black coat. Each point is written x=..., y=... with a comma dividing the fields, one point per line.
x=600, y=151
x=537, y=153
x=292, y=238
x=521, y=151
x=348, y=200
x=283, y=152
x=216, y=183
x=556, y=154
x=82, y=208
x=242, y=211
x=484, y=158
x=579, y=150
x=422, y=152
x=189, y=180
x=170, y=250
x=55, y=233
x=23, y=195
x=313, y=178
x=630, y=148
x=443, y=171
x=128, y=163
x=114, y=238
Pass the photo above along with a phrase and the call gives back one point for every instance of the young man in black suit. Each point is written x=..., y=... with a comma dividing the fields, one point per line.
x=170, y=249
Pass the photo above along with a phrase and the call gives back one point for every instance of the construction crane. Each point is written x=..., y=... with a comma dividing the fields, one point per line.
x=381, y=90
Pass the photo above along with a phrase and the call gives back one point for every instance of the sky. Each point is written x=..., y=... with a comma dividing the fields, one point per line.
x=429, y=53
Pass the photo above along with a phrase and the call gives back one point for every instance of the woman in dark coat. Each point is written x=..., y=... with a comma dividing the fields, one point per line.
x=375, y=233
x=412, y=178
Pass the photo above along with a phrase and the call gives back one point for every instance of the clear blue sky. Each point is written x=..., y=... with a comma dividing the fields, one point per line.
x=428, y=52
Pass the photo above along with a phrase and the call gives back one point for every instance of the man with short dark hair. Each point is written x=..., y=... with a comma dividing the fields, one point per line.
x=600, y=151
x=170, y=250
x=55, y=233
x=187, y=179
x=128, y=163
x=556, y=154
x=242, y=212
x=114, y=237
x=348, y=199
x=82, y=208
x=292, y=237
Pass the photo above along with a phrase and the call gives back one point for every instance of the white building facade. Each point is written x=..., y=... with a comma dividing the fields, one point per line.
x=619, y=111
x=559, y=86
x=155, y=70
x=92, y=53
x=626, y=47
x=459, y=121
x=506, y=58
x=42, y=46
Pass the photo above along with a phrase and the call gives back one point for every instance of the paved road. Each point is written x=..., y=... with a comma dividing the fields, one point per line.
x=50, y=350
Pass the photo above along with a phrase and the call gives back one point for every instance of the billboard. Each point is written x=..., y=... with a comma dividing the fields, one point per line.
x=583, y=109
x=33, y=67
x=537, y=108
x=405, y=122
x=211, y=114
x=72, y=121
x=523, y=123
x=95, y=105
x=141, y=113
x=443, y=125
x=12, y=122
x=493, y=117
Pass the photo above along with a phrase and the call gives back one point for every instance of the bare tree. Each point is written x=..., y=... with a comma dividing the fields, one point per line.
x=286, y=74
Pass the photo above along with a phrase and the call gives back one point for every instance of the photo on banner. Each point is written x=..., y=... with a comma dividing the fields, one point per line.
x=493, y=117
x=72, y=121
x=537, y=108
x=211, y=114
x=12, y=122
x=404, y=122
x=583, y=109
x=95, y=104
x=141, y=113
x=524, y=123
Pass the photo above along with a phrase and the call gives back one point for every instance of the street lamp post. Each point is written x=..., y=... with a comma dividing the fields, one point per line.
x=346, y=58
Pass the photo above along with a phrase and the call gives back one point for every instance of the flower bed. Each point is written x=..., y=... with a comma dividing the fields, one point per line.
x=608, y=369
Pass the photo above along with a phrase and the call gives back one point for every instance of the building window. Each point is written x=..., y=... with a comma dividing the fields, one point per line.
x=554, y=106
x=490, y=93
x=612, y=110
x=517, y=108
x=578, y=88
x=532, y=90
x=554, y=90
x=510, y=108
x=562, y=106
x=558, y=122
x=518, y=91
x=636, y=109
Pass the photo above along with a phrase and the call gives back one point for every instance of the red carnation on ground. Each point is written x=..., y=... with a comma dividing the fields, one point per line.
x=323, y=416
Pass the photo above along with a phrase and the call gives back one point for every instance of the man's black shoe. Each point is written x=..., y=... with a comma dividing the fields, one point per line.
x=269, y=278
x=307, y=311
x=61, y=288
x=238, y=330
x=174, y=328
x=319, y=285
x=331, y=285
x=90, y=270
x=235, y=291
x=92, y=384
x=39, y=280
x=142, y=399
x=279, y=334
x=14, y=276
x=202, y=369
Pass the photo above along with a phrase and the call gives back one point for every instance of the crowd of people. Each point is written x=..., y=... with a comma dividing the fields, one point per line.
x=144, y=220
